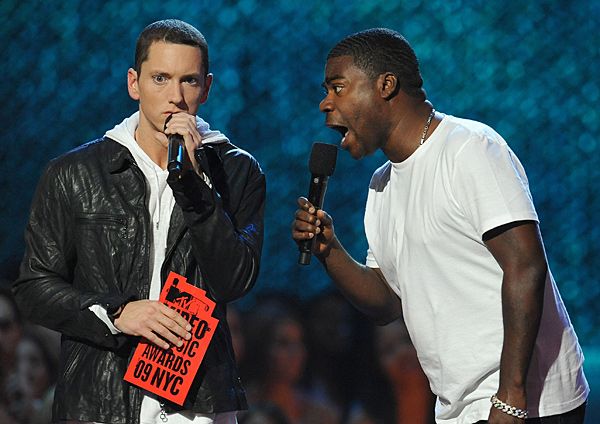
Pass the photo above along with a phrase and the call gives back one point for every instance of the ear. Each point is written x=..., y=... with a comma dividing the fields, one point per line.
x=206, y=89
x=132, y=84
x=388, y=85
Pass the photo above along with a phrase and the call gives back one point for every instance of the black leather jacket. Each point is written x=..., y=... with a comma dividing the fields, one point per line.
x=88, y=241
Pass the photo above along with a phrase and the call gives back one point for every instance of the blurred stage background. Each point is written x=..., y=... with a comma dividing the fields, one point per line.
x=528, y=69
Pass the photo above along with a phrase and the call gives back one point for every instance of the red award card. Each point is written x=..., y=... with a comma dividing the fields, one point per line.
x=169, y=373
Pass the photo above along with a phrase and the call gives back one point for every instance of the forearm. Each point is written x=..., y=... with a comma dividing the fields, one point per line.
x=518, y=249
x=227, y=232
x=45, y=298
x=228, y=257
x=364, y=287
x=522, y=303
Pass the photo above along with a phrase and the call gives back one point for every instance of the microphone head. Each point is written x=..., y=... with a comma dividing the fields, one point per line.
x=322, y=159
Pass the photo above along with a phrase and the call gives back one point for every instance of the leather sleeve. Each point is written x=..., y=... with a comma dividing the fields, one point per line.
x=225, y=221
x=44, y=289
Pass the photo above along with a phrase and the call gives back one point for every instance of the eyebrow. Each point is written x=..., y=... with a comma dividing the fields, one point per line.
x=197, y=75
x=331, y=78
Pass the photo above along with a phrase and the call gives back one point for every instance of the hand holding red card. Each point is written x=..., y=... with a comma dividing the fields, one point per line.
x=169, y=373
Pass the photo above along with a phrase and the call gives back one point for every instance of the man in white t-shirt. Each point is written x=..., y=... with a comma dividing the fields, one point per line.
x=454, y=245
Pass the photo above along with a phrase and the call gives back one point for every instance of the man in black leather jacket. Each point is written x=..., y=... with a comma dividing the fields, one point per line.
x=105, y=230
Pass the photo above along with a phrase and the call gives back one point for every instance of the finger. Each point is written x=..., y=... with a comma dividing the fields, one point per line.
x=305, y=204
x=169, y=330
x=172, y=331
x=155, y=339
x=175, y=317
x=305, y=226
x=191, y=137
x=166, y=334
x=303, y=235
x=192, y=141
x=302, y=215
x=185, y=125
x=302, y=230
x=324, y=217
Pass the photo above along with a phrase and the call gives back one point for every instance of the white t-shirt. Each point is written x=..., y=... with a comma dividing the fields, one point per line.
x=424, y=222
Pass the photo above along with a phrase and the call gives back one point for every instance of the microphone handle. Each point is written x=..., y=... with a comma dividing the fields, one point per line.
x=175, y=155
x=316, y=194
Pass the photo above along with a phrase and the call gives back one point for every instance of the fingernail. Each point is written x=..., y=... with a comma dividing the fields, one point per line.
x=318, y=222
x=188, y=327
x=318, y=230
x=310, y=235
x=179, y=343
x=188, y=336
x=311, y=210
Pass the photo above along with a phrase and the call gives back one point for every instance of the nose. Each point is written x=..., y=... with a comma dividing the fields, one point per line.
x=176, y=93
x=326, y=104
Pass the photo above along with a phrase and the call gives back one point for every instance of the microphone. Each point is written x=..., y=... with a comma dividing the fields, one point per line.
x=321, y=165
x=175, y=156
x=175, y=153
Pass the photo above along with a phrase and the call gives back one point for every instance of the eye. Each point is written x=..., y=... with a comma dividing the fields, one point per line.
x=159, y=79
x=192, y=81
x=335, y=88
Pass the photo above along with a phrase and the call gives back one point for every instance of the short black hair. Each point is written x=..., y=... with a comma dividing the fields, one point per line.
x=379, y=50
x=170, y=31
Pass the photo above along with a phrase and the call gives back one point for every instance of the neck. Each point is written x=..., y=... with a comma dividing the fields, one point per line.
x=153, y=143
x=407, y=131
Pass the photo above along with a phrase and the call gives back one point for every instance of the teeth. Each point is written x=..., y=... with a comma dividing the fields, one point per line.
x=344, y=132
x=340, y=129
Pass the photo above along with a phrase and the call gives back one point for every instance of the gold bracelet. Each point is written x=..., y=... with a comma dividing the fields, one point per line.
x=507, y=409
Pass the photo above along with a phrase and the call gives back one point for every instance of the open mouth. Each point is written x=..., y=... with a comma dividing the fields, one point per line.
x=339, y=128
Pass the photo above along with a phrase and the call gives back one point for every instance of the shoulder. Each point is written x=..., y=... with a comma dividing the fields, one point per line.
x=232, y=152
x=464, y=135
x=236, y=158
x=96, y=157
x=381, y=177
x=95, y=151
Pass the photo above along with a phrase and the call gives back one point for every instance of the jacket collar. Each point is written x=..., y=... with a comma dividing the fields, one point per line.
x=120, y=158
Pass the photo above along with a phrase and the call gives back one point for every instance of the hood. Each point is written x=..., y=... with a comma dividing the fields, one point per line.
x=124, y=133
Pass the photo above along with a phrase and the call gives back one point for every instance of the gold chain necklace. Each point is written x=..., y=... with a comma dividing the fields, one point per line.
x=426, y=128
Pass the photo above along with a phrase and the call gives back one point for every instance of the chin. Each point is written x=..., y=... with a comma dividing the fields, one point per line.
x=357, y=153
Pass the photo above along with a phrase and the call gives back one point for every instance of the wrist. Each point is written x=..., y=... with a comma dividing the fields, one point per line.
x=114, y=315
x=515, y=395
x=509, y=409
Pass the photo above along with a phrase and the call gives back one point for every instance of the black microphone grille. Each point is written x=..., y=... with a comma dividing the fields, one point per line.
x=322, y=159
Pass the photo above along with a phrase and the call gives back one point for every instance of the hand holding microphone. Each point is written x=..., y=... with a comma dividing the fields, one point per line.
x=321, y=165
x=177, y=158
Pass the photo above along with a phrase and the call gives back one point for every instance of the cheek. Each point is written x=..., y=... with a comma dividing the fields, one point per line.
x=193, y=98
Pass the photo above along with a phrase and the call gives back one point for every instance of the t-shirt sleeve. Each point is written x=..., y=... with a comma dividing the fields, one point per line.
x=490, y=184
x=370, y=260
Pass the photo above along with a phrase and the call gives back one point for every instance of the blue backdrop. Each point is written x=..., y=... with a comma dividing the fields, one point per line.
x=528, y=69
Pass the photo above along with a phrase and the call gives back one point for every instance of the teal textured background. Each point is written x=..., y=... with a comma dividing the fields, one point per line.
x=528, y=69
